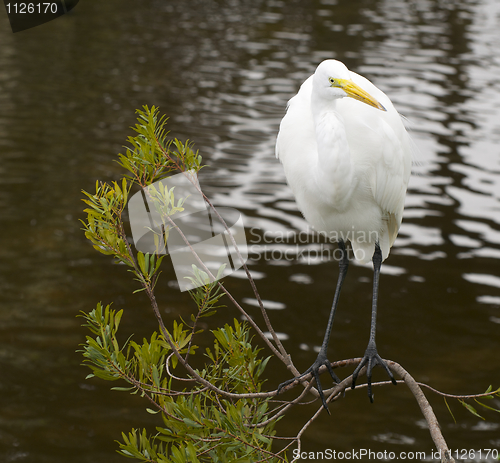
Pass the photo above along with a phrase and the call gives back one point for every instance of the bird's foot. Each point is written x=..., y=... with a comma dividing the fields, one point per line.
x=371, y=359
x=314, y=370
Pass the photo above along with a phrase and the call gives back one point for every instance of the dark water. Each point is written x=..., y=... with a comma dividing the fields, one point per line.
x=223, y=71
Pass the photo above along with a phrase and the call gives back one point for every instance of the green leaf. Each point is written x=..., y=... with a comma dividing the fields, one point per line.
x=142, y=263
x=174, y=360
x=118, y=317
x=487, y=406
x=191, y=423
x=471, y=409
x=262, y=438
x=156, y=376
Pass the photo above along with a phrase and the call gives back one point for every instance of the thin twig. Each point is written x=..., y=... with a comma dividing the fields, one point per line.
x=169, y=373
x=284, y=409
x=461, y=397
x=284, y=353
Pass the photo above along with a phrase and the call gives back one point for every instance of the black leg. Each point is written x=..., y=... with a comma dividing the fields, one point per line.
x=371, y=357
x=322, y=357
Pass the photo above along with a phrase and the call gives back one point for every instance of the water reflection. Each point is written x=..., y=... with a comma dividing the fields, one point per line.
x=223, y=72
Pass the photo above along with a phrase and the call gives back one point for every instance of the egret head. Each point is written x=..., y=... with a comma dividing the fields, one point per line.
x=332, y=81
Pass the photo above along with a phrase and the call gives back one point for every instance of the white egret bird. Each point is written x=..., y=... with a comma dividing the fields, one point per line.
x=347, y=158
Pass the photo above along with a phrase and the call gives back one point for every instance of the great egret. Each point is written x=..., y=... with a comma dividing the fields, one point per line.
x=347, y=158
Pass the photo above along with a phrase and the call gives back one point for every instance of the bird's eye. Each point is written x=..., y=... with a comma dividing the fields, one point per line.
x=332, y=80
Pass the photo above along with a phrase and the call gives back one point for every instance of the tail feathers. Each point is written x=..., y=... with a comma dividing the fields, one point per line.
x=363, y=250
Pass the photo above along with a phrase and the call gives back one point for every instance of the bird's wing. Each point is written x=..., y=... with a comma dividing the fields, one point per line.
x=380, y=143
x=391, y=171
x=289, y=136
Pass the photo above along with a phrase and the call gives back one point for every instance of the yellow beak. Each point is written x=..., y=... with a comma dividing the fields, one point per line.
x=356, y=92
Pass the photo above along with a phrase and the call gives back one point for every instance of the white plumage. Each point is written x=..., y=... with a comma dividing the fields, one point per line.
x=347, y=163
x=347, y=158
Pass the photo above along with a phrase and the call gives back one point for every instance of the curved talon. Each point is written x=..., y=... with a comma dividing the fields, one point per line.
x=314, y=369
x=371, y=359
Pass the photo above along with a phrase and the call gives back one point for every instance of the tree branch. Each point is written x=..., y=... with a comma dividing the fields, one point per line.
x=426, y=409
